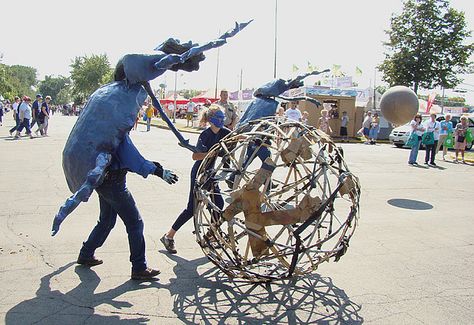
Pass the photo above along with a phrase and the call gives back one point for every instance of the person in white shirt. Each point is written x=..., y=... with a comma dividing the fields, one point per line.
x=190, y=112
x=171, y=110
x=293, y=113
x=15, y=115
x=24, y=111
x=432, y=126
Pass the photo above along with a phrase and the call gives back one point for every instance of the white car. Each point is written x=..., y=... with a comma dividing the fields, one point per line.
x=399, y=136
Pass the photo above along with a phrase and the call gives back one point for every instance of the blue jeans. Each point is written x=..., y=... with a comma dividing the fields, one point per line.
x=414, y=151
x=25, y=124
x=17, y=124
x=114, y=198
x=188, y=212
x=148, y=123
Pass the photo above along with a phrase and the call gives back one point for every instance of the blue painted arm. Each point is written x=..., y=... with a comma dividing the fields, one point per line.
x=293, y=99
x=93, y=180
x=296, y=82
x=171, y=59
x=182, y=141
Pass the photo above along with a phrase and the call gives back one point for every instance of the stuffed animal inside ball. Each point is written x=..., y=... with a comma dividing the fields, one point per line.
x=399, y=104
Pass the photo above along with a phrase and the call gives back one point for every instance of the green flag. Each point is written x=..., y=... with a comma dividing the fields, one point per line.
x=295, y=68
x=336, y=70
x=358, y=71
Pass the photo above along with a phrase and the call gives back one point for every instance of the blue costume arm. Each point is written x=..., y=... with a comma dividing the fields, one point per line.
x=93, y=180
x=128, y=157
x=171, y=59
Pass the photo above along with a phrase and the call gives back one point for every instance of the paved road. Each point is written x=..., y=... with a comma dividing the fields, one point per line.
x=410, y=260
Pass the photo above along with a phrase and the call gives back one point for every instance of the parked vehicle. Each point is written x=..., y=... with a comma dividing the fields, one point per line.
x=399, y=136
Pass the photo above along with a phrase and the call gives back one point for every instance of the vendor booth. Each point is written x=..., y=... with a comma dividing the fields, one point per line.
x=335, y=101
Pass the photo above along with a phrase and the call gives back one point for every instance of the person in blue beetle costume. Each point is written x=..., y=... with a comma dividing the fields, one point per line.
x=99, y=152
x=265, y=105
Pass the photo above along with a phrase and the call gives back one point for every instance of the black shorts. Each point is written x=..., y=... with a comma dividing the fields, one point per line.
x=343, y=131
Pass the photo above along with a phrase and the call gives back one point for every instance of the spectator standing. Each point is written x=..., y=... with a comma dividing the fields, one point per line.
x=1, y=113
x=460, y=138
x=418, y=129
x=374, y=128
x=43, y=119
x=280, y=115
x=446, y=127
x=190, y=112
x=323, y=122
x=293, y=113
x=171, y=110
x=24, y=111
x=304, y=118
x=230, y=112
x=344, y=123
x=35, y=111
x=366, y=126
x=432, y=126
x=149, y=115
x=16, y=116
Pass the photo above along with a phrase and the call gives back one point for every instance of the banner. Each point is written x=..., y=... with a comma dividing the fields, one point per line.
x=429, y=102
x=343, y=82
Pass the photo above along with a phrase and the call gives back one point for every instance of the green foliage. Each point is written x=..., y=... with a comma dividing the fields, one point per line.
x=189, y=93
x=89, y=73
x=426, y=46
x=64, y=96
x=448, y=101
x=381, y=89
x=52, y=86
x=17, y=80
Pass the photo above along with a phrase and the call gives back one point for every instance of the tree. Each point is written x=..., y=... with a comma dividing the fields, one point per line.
x=426, y=46
x=88, y=74
x=189, y=93
x=162, y=90
x=52, y=86
x=17, y=80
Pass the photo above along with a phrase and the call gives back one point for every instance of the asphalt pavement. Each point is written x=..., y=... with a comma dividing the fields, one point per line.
x=410, y=260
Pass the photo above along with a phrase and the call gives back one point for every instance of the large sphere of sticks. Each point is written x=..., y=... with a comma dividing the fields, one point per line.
x=399, y=104
x=274, y=199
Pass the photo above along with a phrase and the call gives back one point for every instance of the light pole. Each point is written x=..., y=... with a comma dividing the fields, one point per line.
x=175, y=95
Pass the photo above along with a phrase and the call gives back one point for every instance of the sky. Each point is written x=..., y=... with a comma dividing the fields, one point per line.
x=324, y=33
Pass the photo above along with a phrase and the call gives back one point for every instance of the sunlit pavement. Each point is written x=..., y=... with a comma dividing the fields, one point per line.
x=410, y=260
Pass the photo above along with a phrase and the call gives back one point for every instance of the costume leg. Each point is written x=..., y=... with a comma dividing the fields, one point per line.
x=97, y=237
x=122, y=202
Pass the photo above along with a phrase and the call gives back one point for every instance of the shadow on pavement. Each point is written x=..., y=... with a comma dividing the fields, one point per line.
x=210, y=297
x=213, y=298
x=76, y=306
x=410, y=204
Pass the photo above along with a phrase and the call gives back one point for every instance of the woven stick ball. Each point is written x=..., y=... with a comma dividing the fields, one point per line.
x=290, y=201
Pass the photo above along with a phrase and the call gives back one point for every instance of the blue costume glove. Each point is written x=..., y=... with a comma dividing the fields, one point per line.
x=167, y=175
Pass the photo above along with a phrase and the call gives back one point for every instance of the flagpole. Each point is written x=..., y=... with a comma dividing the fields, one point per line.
x=375, y=76
x=241, y=74
x=275, y=50
x=217, y=69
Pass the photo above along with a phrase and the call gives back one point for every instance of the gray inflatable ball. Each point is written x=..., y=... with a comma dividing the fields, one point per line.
x=399, y=105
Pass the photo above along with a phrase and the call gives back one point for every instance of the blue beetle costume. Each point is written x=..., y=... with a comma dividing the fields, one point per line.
x=99, y=152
